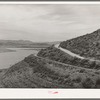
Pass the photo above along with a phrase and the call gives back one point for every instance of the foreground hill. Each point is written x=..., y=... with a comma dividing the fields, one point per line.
x=87, y=45
x=38, y=72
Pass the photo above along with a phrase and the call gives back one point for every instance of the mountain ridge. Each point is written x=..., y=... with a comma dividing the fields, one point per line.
x=21, y=44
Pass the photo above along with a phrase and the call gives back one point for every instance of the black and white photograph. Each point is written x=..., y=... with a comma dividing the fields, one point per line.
x=50, y=46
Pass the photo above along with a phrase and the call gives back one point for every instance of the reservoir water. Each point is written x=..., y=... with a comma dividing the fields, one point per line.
x=8, y=59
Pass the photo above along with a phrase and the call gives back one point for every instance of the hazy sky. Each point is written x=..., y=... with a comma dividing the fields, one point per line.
x=53, y=22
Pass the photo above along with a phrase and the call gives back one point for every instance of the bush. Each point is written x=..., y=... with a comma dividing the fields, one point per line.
x=75, y=60
x=84, y=62
x=93, y=64
x=98, y=83
x=87, y=83
x=77, y=80
x=82, y=70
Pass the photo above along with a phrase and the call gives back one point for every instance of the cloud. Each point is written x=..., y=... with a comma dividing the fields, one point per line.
x=42, y=22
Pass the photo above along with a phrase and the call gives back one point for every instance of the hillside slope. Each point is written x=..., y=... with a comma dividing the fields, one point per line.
x=87, y=45
x=37, y=72
x=56, y=54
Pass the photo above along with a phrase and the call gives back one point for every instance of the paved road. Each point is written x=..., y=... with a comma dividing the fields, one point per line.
x=72, y=54
x=68, y=52
x=75, y=55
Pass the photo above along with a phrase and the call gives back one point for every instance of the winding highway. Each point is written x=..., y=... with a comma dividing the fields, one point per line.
x=75, y=55
x=68, y=52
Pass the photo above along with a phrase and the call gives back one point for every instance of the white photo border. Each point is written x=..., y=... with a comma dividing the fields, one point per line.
x=18, y=93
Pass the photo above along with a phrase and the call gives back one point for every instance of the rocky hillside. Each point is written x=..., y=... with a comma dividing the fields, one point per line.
x=60, y=56
x=53, y=68
x=87, y=45
x=38, y=72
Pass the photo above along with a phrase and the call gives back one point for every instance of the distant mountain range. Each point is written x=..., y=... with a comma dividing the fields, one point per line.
x=24, y=44
x=16, y=41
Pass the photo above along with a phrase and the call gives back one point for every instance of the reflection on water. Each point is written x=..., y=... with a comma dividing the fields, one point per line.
x=9, y=58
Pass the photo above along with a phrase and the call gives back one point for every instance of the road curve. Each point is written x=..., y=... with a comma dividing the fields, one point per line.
x=68, y=52
x=75, y=55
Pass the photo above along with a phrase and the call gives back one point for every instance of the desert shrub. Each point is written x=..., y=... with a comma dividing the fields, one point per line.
x=77, y=80
x=84, y=62
x=87, y=83
x=67, y=76
x=61, y=80
x=75, y=60
x=53, y=76
x=49, y=62
x=97, y=72
x=98, y=83
x=82, y=70
x=93, y=64
x=97, y=66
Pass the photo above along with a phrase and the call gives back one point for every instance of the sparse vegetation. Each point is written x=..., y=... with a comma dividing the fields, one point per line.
x=98, y=83
x=38, y=72
x=87, y=45
x=88, y=83
x=58, y=55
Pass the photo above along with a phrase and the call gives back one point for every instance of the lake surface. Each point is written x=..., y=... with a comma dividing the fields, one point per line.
x=8, y=59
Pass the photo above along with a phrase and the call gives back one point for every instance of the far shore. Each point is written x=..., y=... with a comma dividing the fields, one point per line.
x=4, y=50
